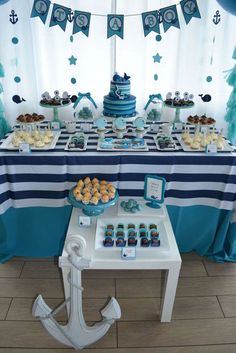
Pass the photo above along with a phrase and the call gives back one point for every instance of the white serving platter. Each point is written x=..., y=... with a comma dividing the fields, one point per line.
x=103, y=222
x=187, y=148
x=7, y=144
x=143, y=149
x=67, y=148
x=175, y=148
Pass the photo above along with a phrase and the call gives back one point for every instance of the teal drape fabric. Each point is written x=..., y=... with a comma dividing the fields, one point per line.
x=4, y=126
x=40, y=232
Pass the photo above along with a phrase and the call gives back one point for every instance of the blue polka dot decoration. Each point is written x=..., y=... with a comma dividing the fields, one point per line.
x=17, y=79
x=15, y=40
x=209, y=78
x=158, y=38
x=155, y=77
x=71, y=39
x=73, y=80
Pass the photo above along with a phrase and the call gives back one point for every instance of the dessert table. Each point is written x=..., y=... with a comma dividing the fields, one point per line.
x=200, y=195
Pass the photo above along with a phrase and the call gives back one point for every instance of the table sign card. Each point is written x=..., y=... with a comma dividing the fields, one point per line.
x=84, y=221
x=86, y=127
x=128, y=253
x=154, y=190
x=55, y=125
x=154, y=128
x=178, y=126
x=211, y=148
x=204, y=129
x=24, y=148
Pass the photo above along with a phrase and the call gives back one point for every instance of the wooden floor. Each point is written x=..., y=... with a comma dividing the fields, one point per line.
x=204, y=318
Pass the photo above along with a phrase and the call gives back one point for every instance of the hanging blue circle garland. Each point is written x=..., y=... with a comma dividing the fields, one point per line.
x=2, y=2
x=209, y=78
x=17, y=79
x=155, y=77
x=228, y=5
x=73, y=81
x=15, y=40
x=158, y=38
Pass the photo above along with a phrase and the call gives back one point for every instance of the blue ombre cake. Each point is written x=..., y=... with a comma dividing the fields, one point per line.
x=119, y=101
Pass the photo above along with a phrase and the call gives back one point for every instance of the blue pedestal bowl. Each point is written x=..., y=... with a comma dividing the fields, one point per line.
x=91, y=210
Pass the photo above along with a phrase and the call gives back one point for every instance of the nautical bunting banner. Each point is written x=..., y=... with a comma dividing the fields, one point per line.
x=169, y=17
x=150, y=22
x=81, y=22
x=59, y=16
x=115, y=25
x=40, y=9
x=190, y=9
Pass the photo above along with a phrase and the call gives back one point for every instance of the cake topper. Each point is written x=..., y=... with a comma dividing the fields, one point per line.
x=118, y=78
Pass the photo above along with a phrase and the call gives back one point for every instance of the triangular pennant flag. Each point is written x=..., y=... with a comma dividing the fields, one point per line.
x=81, y=22
x=169, y=17
x=190, y=9
x=115, y=25
x=40, y=9
x=150, y=22
x=59, y=16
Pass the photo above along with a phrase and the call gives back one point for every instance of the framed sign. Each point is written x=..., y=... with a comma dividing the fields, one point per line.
x=154, y=190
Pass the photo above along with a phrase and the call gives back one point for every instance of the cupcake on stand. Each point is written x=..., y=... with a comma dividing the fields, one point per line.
x=101, y=124
x=119, y=127
x=139, y=124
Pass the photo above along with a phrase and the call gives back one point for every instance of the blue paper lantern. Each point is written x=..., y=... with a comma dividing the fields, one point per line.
x=228, y=5
x=2, y=2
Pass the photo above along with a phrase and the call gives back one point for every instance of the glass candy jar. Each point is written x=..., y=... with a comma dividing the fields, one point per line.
x=85, y=107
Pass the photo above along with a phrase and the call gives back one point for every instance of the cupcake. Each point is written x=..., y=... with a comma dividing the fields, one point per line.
x=103, y=182
x=110, y=226
x=155, y=242
x=131, y=233
x=120, y=225
x=142, y=225
x=109, y=233
x=142, y=232
x=108, y=242
x=145, y=242
x=132, y=241
x=154, y=233
x=131, y=225
x=120, y=242
x=120, y=233
x=152, y=226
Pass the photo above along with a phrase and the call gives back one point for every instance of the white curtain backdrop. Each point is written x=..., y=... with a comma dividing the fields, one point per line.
x=41, y=56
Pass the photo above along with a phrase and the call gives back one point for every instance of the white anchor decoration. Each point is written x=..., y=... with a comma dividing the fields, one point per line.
x=76, y=333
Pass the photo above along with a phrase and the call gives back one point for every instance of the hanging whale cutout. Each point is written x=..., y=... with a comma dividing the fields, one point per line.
x=73, y=98
x=205, y=98
x=16, y=99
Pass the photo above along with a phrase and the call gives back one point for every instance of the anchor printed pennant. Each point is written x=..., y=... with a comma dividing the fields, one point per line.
x=81, y=22
x=40, y=9
x=59, y=16
x=115, y=25
x=169, y=17
x=150, y=22
x=190, y=9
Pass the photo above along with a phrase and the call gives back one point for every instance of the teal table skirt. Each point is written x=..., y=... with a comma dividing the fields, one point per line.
x=40, y=232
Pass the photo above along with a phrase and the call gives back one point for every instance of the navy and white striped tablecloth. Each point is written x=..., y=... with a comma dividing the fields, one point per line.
x=43, y=178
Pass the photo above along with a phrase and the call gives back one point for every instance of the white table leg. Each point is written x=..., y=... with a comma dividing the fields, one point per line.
x=169, y=290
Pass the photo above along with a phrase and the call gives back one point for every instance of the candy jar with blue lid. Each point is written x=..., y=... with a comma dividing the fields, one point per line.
x=153, y=108
x=85, y=107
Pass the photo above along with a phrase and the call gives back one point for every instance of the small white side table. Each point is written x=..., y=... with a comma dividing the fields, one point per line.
x=166, y=257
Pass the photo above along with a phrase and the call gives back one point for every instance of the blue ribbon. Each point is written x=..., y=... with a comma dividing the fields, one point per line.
x=82, y=95
x=151, y=99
